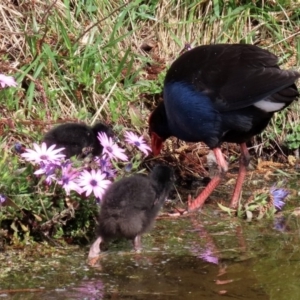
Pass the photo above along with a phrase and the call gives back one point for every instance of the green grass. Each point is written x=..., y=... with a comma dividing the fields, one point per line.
x=82, y=60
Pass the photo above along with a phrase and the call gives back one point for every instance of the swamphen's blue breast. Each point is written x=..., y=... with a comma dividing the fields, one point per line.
x=222, y=93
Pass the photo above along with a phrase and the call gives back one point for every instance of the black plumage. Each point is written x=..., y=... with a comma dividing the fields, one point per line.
x=76, y=138
x=130, y=205
x=221, y=93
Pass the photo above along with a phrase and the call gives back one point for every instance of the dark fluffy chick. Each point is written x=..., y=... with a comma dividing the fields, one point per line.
x=130, y=206
x=76, y=138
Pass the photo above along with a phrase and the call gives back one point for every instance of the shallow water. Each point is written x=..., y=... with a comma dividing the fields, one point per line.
x=204, y=256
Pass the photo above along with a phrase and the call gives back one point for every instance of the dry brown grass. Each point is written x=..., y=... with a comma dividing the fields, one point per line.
x=29, y=27
x=175, y=24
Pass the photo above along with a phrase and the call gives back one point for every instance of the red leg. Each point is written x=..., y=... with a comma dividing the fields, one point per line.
x=223, y=167
x=244, y=162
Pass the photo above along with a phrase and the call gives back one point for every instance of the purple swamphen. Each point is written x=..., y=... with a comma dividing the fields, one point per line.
x=221, y=93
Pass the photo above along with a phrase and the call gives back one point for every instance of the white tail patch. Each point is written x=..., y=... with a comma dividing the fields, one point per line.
x=269, y=106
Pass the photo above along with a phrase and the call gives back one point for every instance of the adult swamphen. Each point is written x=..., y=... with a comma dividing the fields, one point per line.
x=130, y=205
x=76, y=138
x=221, y=93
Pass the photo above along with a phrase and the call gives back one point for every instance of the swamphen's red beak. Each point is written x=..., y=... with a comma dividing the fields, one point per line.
x=156, y=143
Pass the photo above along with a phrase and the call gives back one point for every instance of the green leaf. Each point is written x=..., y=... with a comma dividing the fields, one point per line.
x=135, y=118
x=226, y=209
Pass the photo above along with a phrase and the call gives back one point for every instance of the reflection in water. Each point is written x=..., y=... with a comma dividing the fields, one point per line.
x=208, y=252
x=280, y=223
x=208, y=255
x=88, y=289
x=187, y=258
x=166, y=273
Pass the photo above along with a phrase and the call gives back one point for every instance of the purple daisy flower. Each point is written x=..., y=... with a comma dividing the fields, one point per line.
x=106, y=166
x=18, y=147
x=93, y=181
x=2, y=199
x=49, y=170
x=128, y=167
x=7, y=81
x=280, y=224
x=109, y=173
x=111, y=148
x=279, y=195
x=104, y=162
x=137, y=141
x=68, y=180
x=42, y=154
